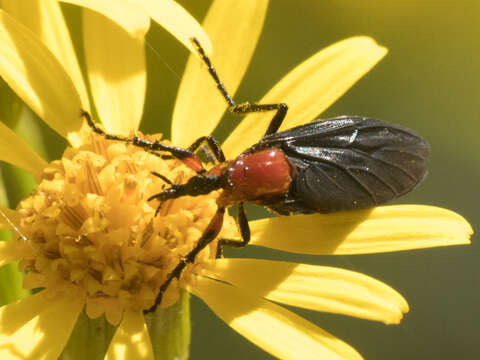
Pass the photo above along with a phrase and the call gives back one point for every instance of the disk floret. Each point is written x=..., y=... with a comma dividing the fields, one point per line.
x=91, y=230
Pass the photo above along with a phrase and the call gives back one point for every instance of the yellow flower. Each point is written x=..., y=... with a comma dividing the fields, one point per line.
x=88, y=230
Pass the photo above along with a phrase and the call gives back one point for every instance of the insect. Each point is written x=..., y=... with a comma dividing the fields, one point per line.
x=338, y=164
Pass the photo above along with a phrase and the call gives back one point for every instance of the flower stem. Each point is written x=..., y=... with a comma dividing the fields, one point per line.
x=89, y=339
x=169, y=333
x=169, y=329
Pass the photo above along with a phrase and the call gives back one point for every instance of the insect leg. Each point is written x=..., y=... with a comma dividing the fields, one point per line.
x=208, y=236
x=213, y=72
x=212, y=145
x=192, y=161
x=185, y=155
x=85, y=114
x=276, y=120
x=164, y=178
x=244, y=233
x=281, y=109
x=178, y=153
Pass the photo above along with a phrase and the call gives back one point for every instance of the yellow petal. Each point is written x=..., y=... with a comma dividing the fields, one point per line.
x=9, y=218
x=292, y=338
x=116, y=69
x=126, y=14
x=131, y=340
x=380, y=229
x=199, y=105
x=178, y=22
x=13, y=316
x=310, y=88
x=42, y=336
x=45, y=19
x=18, y=153
x=36, y=75
x=12, y=251
x=320, y=288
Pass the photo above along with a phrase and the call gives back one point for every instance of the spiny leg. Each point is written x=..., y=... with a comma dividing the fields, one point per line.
x=135, y=140
x=212, y=145
x=193, y=162
x=184, y=155
x=276, y=120
x=244, y=233
x=177, y=152
x=213, y=72
x=85, y=114
x=207, y=237
x=281, y=109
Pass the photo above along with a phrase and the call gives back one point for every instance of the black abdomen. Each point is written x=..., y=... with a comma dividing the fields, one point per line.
x=348, y=163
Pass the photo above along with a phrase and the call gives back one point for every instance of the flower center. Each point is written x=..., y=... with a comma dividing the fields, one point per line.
x=91, y=228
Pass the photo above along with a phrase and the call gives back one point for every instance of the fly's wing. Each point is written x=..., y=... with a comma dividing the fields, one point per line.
x=347, y=163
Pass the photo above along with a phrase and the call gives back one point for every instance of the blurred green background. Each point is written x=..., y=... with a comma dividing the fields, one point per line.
x=429, y=81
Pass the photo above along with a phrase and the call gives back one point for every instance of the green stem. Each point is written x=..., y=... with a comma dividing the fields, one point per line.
x=170, y=330
x=89, y=339
x=169, y=333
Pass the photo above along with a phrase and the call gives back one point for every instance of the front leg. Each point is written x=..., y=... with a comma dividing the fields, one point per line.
x=277, y=119
x=185, y=155
x=212, y=144
x=208, y=236
x=245, y=107
x=244, y=233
